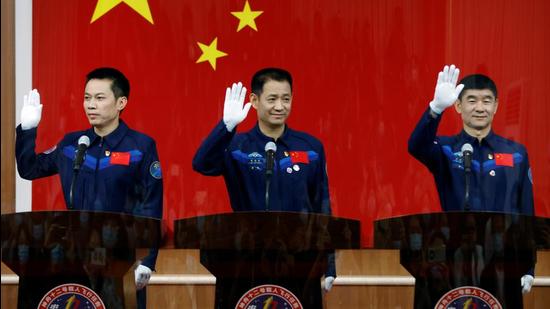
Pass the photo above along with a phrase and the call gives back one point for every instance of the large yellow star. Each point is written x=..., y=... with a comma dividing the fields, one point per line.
x=140, y=6
x=210, y=53
x=247, y=17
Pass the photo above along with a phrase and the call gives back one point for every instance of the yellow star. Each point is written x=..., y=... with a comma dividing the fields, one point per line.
x=140, y=6
x=247, y=17
x=210, y=53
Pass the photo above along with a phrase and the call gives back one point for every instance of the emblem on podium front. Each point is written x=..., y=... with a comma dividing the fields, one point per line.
x=268, y=296
x=71, y=295
x=468, y=297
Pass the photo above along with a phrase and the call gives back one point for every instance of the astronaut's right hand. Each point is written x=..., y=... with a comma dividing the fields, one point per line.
x=31, y=113
x=233, y=110
x=446, y=90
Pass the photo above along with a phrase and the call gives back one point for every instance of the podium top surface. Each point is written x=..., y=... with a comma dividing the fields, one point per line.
x=394, y=233
x=263, y=230
x=87, y=229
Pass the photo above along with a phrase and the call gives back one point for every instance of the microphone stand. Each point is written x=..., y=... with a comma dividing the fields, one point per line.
x=83, y=144
x=270, y=149
x=267, y=185
x=76, y=169
x=467, y=191
x=75, y=174
x=268, y=174
x=467, y=174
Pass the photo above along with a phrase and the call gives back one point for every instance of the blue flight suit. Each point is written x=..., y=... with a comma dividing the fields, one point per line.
x=120, y=173
x=501, y=177
x=299, y=182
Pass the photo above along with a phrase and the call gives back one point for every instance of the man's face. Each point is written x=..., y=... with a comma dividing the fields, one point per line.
x=100, y=105
x=477, y=108
x=274, y=104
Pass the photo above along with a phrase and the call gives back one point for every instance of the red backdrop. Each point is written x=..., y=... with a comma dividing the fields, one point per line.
x=364, y=72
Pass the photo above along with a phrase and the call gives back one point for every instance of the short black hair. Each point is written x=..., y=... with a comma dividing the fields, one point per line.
x=479, y=82
x=264, y=75
x=120, y=84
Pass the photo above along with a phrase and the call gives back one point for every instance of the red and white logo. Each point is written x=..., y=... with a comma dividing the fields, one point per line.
x=469, y=297
x=71, y=295
x=268, y=296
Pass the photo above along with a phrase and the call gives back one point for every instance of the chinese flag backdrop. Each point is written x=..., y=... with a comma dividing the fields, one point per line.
x=364, y=72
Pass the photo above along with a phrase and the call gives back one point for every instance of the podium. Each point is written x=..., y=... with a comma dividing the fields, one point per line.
x=66, y=258
x=244, y=250
x=447, y=251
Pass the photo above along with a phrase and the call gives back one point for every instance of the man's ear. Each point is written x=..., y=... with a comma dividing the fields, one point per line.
x=496, y=106
x=458, y=106
x=121, y=103
x=254, y=99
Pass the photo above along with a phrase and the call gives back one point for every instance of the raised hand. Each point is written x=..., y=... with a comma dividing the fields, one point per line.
x=31, y=113
x=233, y=110
x=446, y=90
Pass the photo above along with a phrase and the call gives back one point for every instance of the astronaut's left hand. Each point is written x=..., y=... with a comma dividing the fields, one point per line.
x=142, y=275
x=526, y=283
x=329, y=281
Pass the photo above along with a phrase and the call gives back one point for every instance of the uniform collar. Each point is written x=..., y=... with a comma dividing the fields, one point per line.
x=112, y=139
x=264, y=138
x=489, y=139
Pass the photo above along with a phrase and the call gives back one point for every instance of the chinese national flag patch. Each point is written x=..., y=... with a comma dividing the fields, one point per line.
x=120, y=158
x=504, y=159
x=299, y=157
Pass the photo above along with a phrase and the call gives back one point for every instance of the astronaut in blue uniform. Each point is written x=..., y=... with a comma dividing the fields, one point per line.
x=501, y=177
x=121, y=170
x=299, y=181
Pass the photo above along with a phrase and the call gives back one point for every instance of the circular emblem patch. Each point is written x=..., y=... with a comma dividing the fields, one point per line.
x=154, y=169
x=71, y=295
x=268, y=296
x=468, y=297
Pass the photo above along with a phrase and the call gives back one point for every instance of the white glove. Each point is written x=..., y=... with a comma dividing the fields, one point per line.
x=31, y=111
x=526, y=283
x=329, y=281
x=142, y=275
x=233, y=110
x=446, y=90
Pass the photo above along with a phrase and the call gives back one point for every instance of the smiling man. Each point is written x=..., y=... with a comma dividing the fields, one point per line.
x=298, y=179
x=500, y=179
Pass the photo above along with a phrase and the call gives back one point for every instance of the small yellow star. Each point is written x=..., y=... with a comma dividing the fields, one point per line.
x=247, y=17
x=210, y=53
x=140, y=6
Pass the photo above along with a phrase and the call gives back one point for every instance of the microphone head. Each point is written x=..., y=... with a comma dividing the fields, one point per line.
x=467, y=148
x=270, y=146
x=84, y=140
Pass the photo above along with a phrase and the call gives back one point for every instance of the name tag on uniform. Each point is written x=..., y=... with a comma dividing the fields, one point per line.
x=120, y=158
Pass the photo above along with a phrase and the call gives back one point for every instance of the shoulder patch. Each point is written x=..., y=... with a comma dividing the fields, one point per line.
x=530, y=175
x=154, y=170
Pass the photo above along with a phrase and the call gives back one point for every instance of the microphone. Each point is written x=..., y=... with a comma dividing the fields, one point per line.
x=83, y=143
x=467, y=151
x=270, y=149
